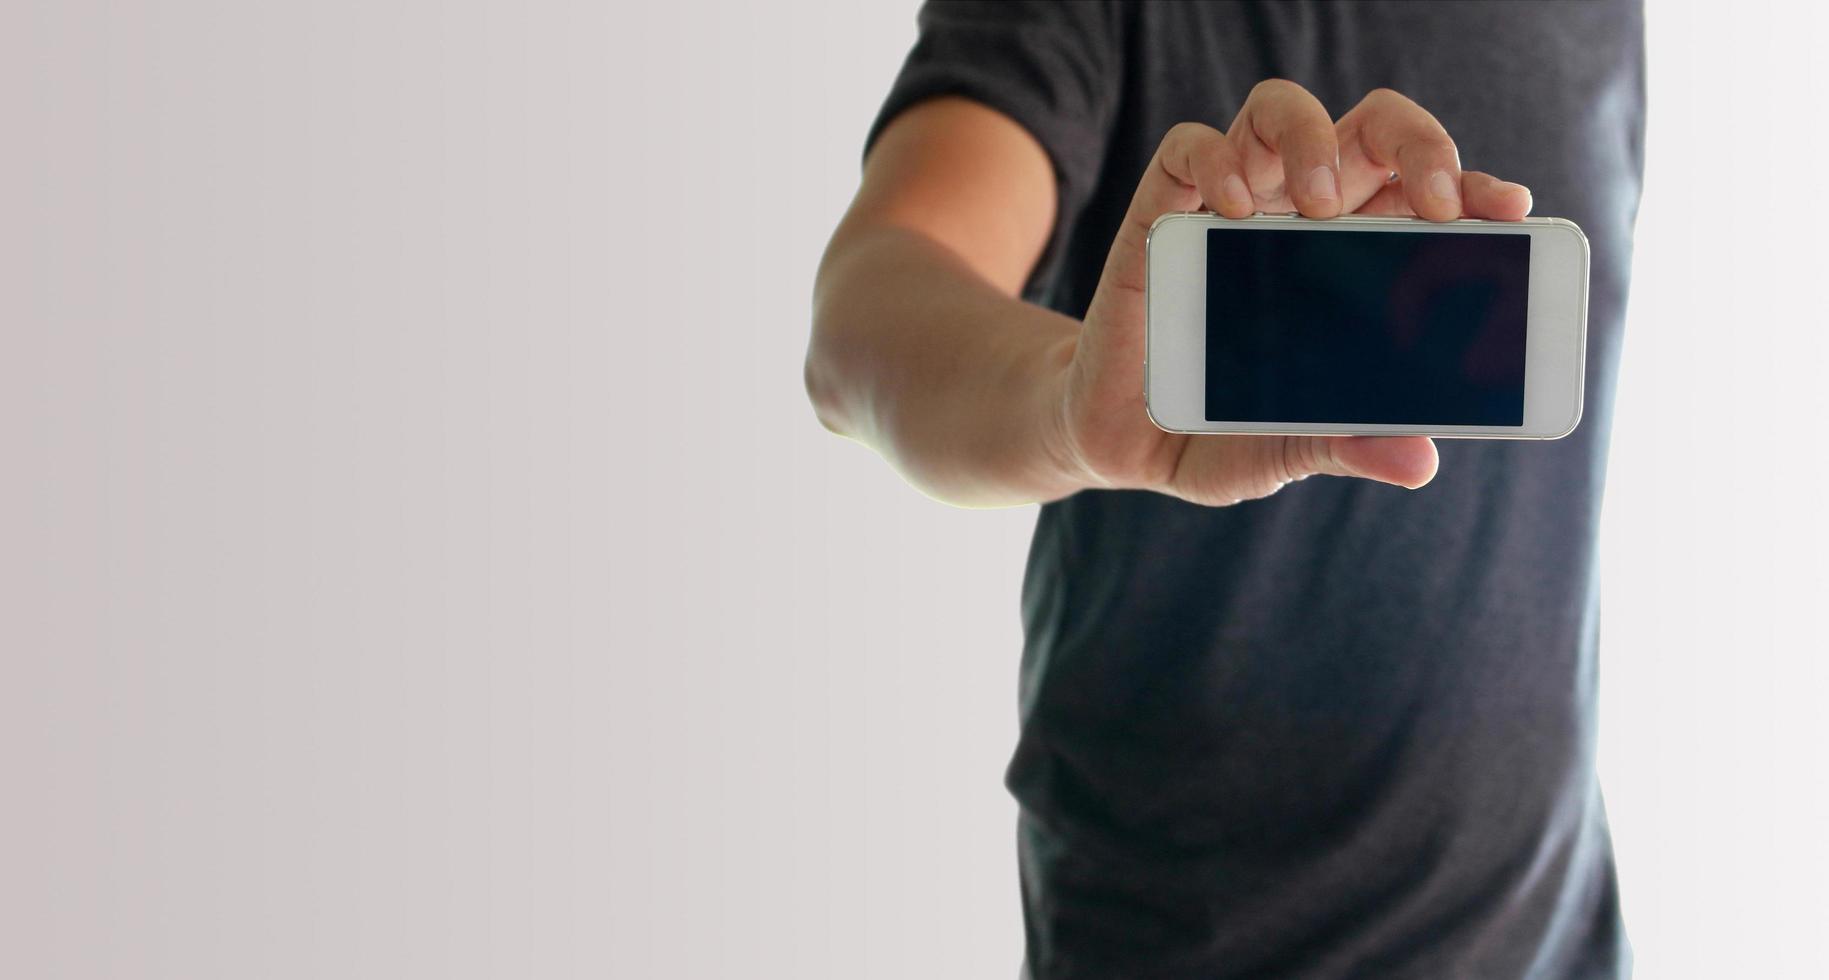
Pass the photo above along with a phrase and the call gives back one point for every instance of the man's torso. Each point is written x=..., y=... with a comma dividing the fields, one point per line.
x=1348, y=729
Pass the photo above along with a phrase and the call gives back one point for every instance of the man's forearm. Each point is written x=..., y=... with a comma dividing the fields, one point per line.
x=955, y=383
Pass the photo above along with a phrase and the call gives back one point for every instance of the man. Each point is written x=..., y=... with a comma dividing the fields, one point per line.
x=1270, y=729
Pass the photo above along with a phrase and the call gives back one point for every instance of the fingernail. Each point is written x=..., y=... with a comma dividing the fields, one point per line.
x=1321, y=185
x=1235, y=191
x=1441, y=186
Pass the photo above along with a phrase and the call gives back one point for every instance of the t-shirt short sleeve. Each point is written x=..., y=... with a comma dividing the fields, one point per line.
x=1051, y=67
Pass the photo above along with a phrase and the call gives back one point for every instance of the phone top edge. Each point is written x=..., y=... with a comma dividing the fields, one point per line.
x=1293, y=217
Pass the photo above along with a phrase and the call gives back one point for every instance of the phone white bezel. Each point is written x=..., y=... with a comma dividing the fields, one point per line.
x=1174, y=363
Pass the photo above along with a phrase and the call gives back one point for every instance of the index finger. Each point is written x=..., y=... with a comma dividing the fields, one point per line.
x=1287, y=141
x=1387, y=133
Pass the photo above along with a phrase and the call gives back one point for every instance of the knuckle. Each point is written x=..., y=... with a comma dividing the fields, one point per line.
x=1431, y=129
x=1271, y=87
x=1283, y=461
x=1180, y=131
x=1426, y=145
x=1286, y=457
x=1188, y=134
x=1285, y=110
x=1319, y=132
x=1401, y=118
x=1444, y=147
x=1435, y=143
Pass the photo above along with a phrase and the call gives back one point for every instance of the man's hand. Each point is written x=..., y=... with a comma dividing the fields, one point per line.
x=1387, y=156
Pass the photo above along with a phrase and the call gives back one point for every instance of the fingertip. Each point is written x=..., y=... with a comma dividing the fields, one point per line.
x=1405, y=461
x=1529, y=199
x=1438, y=197
x=1429, y=209
x=1428, y=464
x=1320, y=197
x=1497, y=200
x=1235, y=197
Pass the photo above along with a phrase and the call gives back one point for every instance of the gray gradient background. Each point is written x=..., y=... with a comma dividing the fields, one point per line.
x=414, y=564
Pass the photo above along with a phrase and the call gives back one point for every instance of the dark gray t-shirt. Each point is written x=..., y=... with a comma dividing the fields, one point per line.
x=1347, y=730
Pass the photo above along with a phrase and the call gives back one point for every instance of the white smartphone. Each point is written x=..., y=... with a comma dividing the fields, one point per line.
x=1366, y=326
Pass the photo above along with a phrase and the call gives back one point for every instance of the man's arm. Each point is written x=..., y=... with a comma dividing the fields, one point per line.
x=922, y=351
x=920, y=347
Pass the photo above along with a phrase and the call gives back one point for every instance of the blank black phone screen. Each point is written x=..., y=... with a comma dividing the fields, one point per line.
x=1407, y=328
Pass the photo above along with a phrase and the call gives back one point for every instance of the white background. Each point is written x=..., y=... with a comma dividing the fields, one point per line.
x=411, y=565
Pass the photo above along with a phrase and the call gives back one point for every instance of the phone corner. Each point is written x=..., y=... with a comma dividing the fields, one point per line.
x=1574, y=420
x=1570, y=228
x=1162, y=219
x=1149, y=412
x=1168, y=216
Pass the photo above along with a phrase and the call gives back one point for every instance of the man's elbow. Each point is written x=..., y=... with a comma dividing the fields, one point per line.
x=822, y=386
x=831, y=363
x=828, y=370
